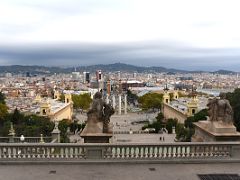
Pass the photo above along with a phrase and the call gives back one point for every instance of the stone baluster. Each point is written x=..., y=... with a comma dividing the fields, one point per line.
x=171, y=151
x=128, y=151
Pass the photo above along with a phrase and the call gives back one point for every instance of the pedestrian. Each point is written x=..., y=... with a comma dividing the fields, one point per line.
x=161, y=138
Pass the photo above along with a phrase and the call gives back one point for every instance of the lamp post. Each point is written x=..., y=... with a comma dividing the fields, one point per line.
x=22, y=138
x=41, y=138
x=11, y=134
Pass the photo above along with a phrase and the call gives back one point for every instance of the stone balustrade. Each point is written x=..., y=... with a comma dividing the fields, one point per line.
x=118, y=152
x=130, y=132
x=26, y=139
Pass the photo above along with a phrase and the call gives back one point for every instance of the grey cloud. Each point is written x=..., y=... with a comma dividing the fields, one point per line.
x=171, y=55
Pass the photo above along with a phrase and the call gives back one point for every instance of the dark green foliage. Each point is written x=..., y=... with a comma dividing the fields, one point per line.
x=3, y=112
x=234, y=99
x=31, y=125
x=151, y=101
x=3, y=108
x=180, y=131
x=160, y=117
x=131, y=97
x=201, y=115
x=2, y=98
x=75, y=126
x=157, y=125
x=4, y=130
x=63, y=127
x=34, y=125
x=188, y=123
x=169, y=125
x=184, y=132
x=17, y=117
x=189, y=133
x=82, y=101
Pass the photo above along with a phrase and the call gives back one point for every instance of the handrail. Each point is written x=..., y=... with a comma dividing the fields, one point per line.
x=116, y=151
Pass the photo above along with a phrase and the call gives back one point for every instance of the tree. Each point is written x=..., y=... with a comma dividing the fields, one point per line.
x=169, y=125
x=17, y=117
x=2, y=98
x=3, y=111
x=4, y=130
x=235, y=103
x=160, y=117
x=63, y=127
x=132, y=98
x=157, y=125
x=184, y=132
x=31, y=125
x=151, y=101
x=180, y=132
x=201, y=115
x=81, y=101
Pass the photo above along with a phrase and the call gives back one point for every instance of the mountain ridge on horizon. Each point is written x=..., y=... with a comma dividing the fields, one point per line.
x=39, y=69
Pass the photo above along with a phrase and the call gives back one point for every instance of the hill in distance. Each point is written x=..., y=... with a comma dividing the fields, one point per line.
x=92, y=68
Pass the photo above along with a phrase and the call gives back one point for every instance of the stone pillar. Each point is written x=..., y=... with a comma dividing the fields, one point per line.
x=41, y=139
x=114, y=101
x=11, y=134
x=56, y=133
x=173, y=130
x=107, y=99
x=125, y=104
x=119, y=104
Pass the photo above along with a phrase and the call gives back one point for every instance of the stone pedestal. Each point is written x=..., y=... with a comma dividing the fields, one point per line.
x=56, y=134
x=93, y=133
x=96, y=137
x=206, y=131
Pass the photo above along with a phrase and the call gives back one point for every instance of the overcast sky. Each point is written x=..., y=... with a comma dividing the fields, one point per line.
x=185, y=34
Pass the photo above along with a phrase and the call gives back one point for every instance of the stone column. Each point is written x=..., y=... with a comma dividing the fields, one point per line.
x=107, y=99
x=125, y=103
x=11, y=134
x=119, y=104
x=113, y=101
x=41, y=139
x=56, y=133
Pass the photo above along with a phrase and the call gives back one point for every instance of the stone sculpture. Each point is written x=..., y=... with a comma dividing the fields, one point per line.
x=220, y=110
x=99, y=113
x=220, y=126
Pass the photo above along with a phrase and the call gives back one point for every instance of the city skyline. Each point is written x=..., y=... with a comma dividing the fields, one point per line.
x=199, y=35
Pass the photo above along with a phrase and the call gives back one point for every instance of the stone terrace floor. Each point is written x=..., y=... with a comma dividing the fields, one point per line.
x=114, y=171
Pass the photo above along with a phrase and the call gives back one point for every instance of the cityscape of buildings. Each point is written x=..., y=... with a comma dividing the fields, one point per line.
x=40, y=94
x=115, y=89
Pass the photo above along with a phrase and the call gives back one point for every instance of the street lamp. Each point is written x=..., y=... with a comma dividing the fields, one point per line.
x=22, y=138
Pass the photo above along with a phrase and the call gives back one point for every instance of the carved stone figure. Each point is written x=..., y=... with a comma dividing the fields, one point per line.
x=220, y=110
x=97, y=107
x=100, y=112
x=108, y=112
